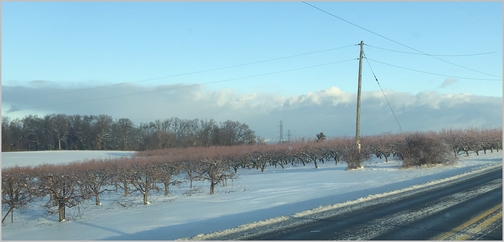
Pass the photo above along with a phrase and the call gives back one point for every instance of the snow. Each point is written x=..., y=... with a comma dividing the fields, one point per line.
x=35, y=158
x=254, y=199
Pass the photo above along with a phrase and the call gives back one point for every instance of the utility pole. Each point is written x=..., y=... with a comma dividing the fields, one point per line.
x=280, y=140
x=357, y=129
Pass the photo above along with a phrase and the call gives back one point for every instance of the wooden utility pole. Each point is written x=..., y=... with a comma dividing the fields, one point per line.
x=357, y=129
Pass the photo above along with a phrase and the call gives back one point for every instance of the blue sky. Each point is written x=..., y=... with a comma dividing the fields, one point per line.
x=68, y=46
x=110, y=43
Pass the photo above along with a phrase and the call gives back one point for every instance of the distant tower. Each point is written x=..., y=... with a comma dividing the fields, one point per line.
x=280, y=140
x=288, y=136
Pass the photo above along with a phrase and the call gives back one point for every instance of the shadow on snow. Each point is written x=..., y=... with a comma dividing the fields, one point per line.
x=228, y=221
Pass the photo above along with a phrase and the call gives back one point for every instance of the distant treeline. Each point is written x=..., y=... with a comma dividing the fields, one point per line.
x=102, y=132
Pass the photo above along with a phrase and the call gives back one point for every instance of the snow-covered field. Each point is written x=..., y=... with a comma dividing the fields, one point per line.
x=186, y=213
x=35, y=158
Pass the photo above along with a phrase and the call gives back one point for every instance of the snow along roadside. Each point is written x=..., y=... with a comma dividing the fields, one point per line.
x=245, y=231
x=384, y=224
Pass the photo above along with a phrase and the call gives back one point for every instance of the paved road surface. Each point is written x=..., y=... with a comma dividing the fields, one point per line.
x=467, y=210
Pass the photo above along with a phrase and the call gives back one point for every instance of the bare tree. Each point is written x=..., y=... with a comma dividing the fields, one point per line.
x=32, y=135
x=233, y=133
x=17, y=188
x=351, y=155
x=190, y=168
x=453, y=139
x=143, y=173
x=16, y=129
x=258, y=160
x=167, y=169
x=81, y=132
x=122, y=130
x=238, y=157
x=474, y=139
x=214, y=168
x=95, y=176
x=424, y=149
x=7, y=135
x=494, y=137
x=159, y=139
x=60, y=128
x=180, y=129
x=383, y=145
x=121, y=174
x=102, y=131
x=61, y=183
x=205, y=133
x=334, y=149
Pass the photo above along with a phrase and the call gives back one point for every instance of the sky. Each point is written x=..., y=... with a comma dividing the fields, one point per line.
x=257, y=63
x=248, y=201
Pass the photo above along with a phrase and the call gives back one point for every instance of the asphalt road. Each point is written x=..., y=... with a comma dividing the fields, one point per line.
x=466, y=210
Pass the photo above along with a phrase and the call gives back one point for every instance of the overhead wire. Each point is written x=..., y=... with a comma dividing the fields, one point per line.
x=187, y=73
x=437, y=74
x=389, y=39
x=477, y=19
x=413, y=53
x=186, y=86
x=390, y=106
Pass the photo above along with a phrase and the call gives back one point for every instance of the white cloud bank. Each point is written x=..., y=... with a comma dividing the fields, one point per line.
x=331, y=111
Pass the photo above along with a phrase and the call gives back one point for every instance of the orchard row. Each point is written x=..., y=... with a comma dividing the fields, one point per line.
x=67, y=185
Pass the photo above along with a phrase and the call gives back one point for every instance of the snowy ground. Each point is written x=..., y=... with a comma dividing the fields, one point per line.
x=254, y=196
x=35, y=158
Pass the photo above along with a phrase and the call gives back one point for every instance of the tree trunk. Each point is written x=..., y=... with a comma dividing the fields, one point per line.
x=166, y=188
x=61, y=210
x=126, y=188
x=11, y=209
x=212, y=185
x=98, y=144
x=97, y=200
x=145, y=198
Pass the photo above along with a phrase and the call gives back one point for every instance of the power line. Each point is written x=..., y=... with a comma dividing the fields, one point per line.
x=193, y=85
x=412, y=53
x=437, y=74
x=470, y=14
x=189, y=73
x=397, y=41
x=390, y=106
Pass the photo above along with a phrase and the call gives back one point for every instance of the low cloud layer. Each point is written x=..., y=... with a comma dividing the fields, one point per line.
x=331, y=111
